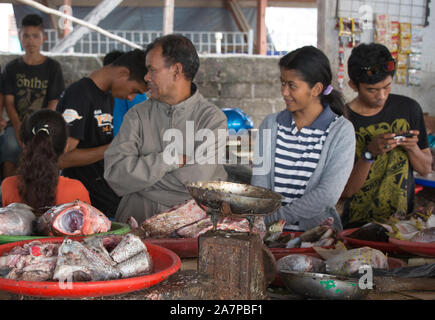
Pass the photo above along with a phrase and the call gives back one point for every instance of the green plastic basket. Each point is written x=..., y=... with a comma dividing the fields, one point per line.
x=117, y=228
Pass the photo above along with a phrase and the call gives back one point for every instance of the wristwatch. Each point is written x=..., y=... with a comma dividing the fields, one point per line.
x=367, y=155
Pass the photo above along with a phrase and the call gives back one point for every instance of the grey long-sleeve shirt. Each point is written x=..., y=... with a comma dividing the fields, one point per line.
x=326, y=183
x=136, y=163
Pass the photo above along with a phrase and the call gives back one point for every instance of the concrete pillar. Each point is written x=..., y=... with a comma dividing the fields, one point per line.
x=327, y=34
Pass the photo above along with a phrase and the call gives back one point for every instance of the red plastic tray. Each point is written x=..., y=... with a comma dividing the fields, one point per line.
x=278, y=253
x=417, y=248
x=385, y=247
x=183, y=247
x=166, y=263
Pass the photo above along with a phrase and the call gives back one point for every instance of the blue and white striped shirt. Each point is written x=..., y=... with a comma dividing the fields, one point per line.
x=298, y=152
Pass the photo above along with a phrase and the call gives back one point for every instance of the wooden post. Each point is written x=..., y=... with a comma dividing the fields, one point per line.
x=168, y=17
x=67, y=24
x=261, y=27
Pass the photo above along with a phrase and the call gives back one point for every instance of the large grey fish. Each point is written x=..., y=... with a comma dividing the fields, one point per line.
x=340, y=261
x=16, y=220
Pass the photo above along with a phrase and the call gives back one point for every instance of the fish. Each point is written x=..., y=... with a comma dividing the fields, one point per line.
x=405, y=230
x=138, y=264
x=426, y=235
x=129, y=246
x=340, y=261
x=371, y=232
x=72, y=219
x=274, y=231
x=317, y=236
x=97, y=245
x=301, y=263
x=430, y=223
x=76, y=262
x=16, y=220
x=164, y=224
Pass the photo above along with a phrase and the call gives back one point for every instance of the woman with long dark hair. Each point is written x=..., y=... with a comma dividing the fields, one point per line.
x=306, y=151
x=44, y=136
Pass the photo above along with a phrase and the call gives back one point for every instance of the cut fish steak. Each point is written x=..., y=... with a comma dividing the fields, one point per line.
x=227, y=223
x=73, y=218
x=16, y=220
x=163, y=224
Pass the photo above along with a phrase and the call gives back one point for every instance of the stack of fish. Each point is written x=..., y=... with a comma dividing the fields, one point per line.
x=188, y=220
x=321, y=236
x=97, y=258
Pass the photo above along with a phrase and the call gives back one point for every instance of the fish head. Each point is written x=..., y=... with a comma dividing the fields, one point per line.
x=69, y=221
x=94, y=220
x=277, y=226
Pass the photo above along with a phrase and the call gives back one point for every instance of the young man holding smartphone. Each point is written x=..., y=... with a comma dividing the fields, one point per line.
x=391, y=141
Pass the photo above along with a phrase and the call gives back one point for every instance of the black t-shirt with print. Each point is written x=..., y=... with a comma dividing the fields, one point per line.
x=88, y=113
x=389, y=187
x=33, y=86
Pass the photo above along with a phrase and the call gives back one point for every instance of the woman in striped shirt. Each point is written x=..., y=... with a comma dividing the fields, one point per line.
x=306, y=151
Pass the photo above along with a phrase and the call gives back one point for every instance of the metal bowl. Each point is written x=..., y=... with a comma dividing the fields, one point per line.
x=243, y=199
x=322, y=286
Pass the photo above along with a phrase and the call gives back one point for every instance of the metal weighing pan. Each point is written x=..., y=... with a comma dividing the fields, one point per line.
x=243, y=199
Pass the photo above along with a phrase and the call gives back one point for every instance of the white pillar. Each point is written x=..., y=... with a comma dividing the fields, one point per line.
x=168, y=17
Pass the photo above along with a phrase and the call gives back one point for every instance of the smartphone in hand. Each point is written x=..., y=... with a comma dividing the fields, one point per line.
x=401, y=136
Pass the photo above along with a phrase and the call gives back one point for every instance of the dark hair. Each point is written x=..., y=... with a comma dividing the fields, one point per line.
x=176, y=48
x=111, y=56
x=313, y=67
x=134, y=61
x=44, y=135
x=32, y=20
x=365, y=56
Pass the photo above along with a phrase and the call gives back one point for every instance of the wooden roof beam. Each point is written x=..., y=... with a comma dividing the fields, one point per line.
x=261, y=41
